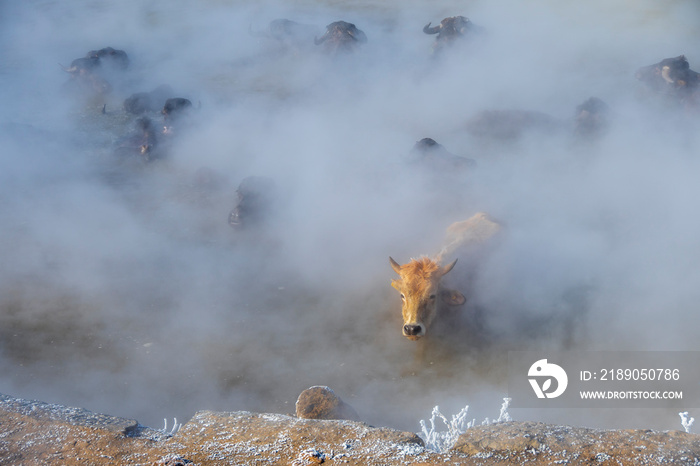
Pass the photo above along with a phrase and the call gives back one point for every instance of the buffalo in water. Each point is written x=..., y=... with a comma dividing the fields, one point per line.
x=175, y=110
x=88, y=73
x=341, y=37
x=589, y=122
x=288, y=34
x=111, y=57
x=153, y=101
x=151, y=138
x=95, y=60
x=257, y=198
x=143, y=141
x=450, y=31
x=672, y=78
x=284, y=29
x=591, y=119
x=433, y=156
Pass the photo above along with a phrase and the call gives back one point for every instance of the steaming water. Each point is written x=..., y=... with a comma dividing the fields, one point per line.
x=123, y=289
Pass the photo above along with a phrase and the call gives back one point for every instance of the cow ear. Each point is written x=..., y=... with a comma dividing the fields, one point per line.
x=452, y=297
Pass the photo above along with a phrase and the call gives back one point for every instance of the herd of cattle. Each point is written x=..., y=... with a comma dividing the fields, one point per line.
x=159, y=112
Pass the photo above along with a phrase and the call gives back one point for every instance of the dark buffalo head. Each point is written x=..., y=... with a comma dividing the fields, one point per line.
x=111, y=57
x=95, y=60
x=428, y=146
x=257, y=197
x=176, y=106
x=83, y=66
x=449, y=30
x=282, y=28
x=287, y=36
x=670, y=76
x=90, y=72
x=152, y=101
x=286, y=30
x=429, y=153
x=85, y=77
x=341, y=36
x=149, y=139
x=138, y=103
x=174, y=111
x=142, y=142
x=591, y=118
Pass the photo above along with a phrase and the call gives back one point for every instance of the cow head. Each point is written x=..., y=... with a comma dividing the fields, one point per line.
x=421, y=293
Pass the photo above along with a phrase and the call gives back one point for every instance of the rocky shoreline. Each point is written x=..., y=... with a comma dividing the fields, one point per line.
x=33, y=433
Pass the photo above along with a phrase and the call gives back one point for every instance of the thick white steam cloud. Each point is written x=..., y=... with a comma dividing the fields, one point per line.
x=124, y=290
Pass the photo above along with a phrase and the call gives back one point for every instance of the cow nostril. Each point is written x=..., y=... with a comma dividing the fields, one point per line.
x=411, y=330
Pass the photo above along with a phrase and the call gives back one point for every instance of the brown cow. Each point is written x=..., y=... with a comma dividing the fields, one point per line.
x=419, y=281
x=419, y=285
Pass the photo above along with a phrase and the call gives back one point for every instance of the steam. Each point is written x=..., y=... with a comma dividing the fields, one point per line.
x=123, y=289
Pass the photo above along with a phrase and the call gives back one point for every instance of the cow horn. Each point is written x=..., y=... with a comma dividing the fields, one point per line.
x=323, y=38
x=432, y=30
x=395, y=265
x=448, y=267
x=665, y=74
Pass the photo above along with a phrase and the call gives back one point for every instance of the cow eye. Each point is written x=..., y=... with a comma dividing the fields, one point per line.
x=432, y=296
x=403, y=296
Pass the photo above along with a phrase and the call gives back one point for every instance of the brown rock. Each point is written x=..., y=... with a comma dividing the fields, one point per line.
x=542, y=444
x=322, y=403
x=173, y=460
x=249, y=438
x=35, y=433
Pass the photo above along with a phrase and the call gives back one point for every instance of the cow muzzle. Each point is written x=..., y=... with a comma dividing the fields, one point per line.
x=413, y=331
